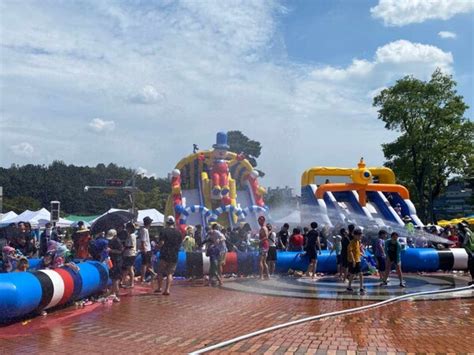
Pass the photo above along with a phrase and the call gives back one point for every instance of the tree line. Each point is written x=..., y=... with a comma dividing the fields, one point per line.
x=34, y=186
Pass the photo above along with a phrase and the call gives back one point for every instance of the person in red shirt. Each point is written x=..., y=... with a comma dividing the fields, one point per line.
x=264, y=246
x=296, y=240
x=452, y=236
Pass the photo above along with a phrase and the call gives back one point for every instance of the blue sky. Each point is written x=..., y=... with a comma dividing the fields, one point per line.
x=138, y=82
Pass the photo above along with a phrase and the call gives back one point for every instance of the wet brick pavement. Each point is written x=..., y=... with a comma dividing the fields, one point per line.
x=196, y=316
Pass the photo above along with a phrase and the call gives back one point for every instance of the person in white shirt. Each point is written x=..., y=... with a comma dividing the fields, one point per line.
x=129, y=255
x=145, y=248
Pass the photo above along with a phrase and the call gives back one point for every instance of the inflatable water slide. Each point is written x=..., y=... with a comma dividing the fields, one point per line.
x=215, y=186
x=369, y=196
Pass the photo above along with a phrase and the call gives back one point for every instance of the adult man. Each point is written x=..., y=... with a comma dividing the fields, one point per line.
x=145, y=248
x=312, y=242
x=115, y=252
x=44, y=239
x=169, y=243
x=378, y=248
x=468, y=244
x=283, y=237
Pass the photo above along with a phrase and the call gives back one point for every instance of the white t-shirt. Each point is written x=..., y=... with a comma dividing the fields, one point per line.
x=272, y=239
x=131, y=245
x=145, y=239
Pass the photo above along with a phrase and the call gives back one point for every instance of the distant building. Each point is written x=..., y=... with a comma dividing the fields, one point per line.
x=281, y=196
x=456, y=202
x=284, y=193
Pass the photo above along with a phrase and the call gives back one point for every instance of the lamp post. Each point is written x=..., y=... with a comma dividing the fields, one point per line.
x=117, y=184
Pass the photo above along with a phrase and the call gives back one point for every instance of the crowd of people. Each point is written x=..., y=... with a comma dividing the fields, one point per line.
x=119, y=247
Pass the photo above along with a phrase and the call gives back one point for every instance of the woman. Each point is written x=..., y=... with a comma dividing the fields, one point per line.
x=129, y=255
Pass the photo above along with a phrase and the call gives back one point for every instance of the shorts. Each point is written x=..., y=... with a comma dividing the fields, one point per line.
x=128, y=261
x=115, y=273
x=354, y=270
x=344, y=261
x=166, y=268
x=311, y=254
x=263, y=252
x=146, y=258
x=338, y=259
x=222, y=258
x=381, y=263
x=272, y=254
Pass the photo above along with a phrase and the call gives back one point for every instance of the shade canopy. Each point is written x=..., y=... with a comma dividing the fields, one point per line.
x=37, y=219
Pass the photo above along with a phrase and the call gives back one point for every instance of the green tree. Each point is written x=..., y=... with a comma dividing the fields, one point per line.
x=436, y=139
x=19, y=204
x=240, y=143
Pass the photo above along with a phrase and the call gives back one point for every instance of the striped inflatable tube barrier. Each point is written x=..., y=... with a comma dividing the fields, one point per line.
x=22, y=293
x=413, y=260
x=185, y=212
x=243, y=213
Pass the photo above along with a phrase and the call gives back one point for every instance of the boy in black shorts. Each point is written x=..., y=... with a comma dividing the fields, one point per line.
x=353, y=257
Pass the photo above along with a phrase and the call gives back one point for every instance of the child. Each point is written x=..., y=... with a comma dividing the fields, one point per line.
x=10, y=258
x=213, y=253
x=48, y=260
x=353, y=257
x=393, y=252
x=23, y=264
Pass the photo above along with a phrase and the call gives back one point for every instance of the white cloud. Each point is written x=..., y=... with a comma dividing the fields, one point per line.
x=394, y=58
x=24, y=150
x=447, y=34
x=98, y=125
x=404, y=12
x=403, y=51
x=200, y=67
x=148, y=95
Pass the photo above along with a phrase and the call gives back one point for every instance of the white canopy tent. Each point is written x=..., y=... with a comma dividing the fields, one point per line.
x=157, y=217
x=37, y=219
x=7, y=216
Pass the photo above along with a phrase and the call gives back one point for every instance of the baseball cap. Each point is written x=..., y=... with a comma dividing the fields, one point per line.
x=170, y=220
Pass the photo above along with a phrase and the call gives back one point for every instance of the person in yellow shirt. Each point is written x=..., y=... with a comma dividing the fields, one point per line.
x=353, y=258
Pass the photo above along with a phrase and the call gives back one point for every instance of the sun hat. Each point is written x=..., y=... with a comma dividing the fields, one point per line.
x=111, y=233
x=8, y=249
x=147, y=220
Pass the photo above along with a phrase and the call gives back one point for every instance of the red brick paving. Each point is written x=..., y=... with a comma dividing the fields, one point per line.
x=196, y=316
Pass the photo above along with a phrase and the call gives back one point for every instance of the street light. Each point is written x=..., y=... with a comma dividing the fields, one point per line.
x=117, y=184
